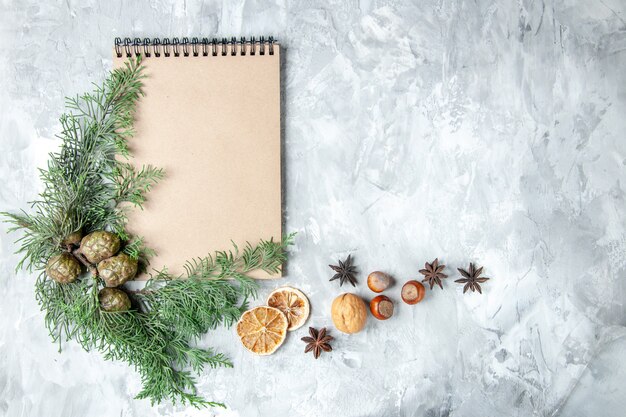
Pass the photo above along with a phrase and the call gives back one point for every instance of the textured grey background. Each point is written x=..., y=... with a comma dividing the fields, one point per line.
x=486, y=131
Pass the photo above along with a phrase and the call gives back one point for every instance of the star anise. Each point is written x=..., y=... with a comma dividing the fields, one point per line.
x=344, y=272
x=317, y=342
x=472, y=278
x=433, y=274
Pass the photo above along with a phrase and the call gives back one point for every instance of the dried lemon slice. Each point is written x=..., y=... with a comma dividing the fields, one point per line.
x=262, y=329
x=293, y=303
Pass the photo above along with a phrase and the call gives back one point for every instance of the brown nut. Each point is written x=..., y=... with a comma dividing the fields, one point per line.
x=413, y=292
x=381, y=307
x=378, y=281
x=349, y=313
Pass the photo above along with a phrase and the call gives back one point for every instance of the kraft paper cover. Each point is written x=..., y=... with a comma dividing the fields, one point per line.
x=213, y=124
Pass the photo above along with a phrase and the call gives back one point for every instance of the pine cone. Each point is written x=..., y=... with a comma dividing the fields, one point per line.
x=63, y=268
x=100, y=245
x=116, y=270
x=73, y=238
x=113, y=299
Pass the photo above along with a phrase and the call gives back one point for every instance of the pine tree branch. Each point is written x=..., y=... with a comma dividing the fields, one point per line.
x=84, y=184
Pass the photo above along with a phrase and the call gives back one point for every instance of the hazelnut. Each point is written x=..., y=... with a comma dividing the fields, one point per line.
x=349, y=313
x=413, y=292
x=381, y=307
x=378, y=281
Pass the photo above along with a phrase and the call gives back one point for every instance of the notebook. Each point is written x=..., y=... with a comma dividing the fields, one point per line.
x=210, y=117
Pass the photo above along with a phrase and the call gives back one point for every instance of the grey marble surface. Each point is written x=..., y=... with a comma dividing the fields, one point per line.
x=484, y=131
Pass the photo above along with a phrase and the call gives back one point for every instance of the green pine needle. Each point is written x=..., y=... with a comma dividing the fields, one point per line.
x=84, y=185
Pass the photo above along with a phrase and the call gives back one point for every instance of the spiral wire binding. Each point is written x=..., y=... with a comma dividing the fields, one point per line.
x=205, y=47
